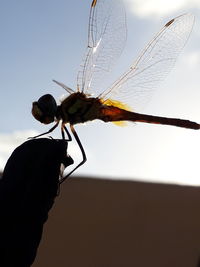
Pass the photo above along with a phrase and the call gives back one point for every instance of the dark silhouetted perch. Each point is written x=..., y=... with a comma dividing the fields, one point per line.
x=28, y=188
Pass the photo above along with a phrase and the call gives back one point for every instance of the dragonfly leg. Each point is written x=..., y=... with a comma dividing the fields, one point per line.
x=51, y=130
x=64, y=129
x=82, y=151
x=63, y=133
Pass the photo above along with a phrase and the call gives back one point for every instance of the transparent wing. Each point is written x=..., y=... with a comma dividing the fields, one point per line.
x=136, y=86
x=106, y=40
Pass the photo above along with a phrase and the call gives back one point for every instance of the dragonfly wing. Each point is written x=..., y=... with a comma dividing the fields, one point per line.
x=135, y=87
x=106, y=40
x=68, y=89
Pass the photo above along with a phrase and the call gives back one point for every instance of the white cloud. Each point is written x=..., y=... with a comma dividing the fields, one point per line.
x=149, y=8
x=8, y=142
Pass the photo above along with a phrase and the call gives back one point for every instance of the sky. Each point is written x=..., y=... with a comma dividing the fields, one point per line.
x=45, y=40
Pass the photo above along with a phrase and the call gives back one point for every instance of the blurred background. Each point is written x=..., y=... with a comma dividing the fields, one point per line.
x=41, y=41
x=122, y=223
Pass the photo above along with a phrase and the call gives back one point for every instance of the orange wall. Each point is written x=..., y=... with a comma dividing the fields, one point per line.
x=106, y=223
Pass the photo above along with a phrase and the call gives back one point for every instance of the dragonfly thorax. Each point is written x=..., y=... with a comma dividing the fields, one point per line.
x=78, y=108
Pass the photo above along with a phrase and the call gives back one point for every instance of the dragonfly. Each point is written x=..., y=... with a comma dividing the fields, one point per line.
x=107, y=34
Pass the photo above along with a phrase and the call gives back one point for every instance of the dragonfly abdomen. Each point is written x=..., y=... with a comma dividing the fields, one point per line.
x=111, y=113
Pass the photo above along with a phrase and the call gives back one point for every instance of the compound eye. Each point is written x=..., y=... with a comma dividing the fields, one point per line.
x=45, y=109
x=36, y=112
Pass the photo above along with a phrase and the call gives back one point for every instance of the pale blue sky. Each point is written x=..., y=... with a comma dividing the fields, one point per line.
x=45, y=40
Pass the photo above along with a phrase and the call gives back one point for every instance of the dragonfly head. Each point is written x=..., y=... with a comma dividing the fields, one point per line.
x=44, y=110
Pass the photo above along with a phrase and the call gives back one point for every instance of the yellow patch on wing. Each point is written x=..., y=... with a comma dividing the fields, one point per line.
x=120, y=123
x=118, y=104
x=115, y=103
